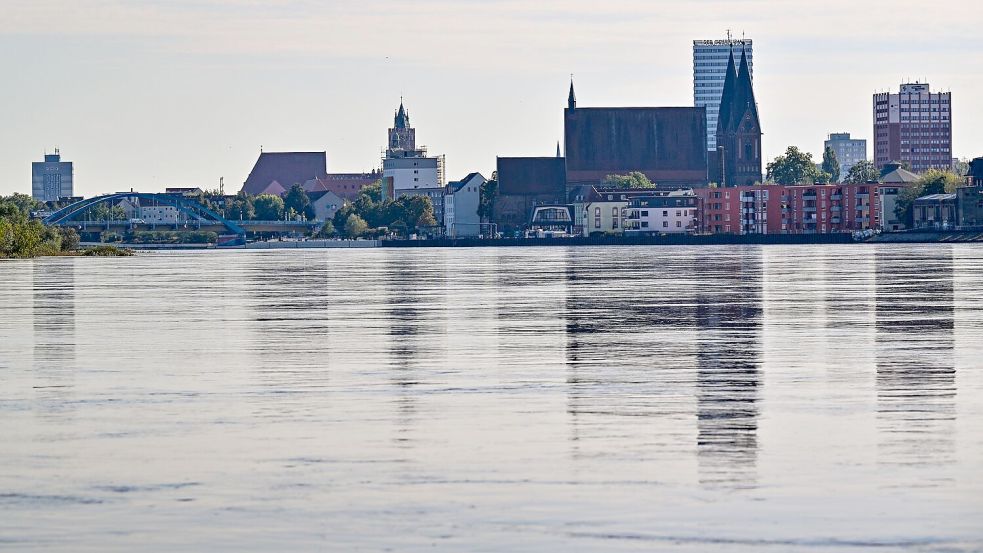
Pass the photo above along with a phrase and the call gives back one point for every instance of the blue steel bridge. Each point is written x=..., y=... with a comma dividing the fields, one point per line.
x=198, y=217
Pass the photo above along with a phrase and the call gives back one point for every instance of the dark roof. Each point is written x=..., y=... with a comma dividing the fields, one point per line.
x=737, y=98
x=727, y=97
x=402, y=119
x=667, y=144
x=893, y=173
x=531, y=176
x=287, y=168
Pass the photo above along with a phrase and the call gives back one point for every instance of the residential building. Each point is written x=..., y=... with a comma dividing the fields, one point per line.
x=345, y=185
x=664, y=213
x=710, y=60
x=913, y=126
x=894, y=179
x=975, y=175
x=325, y=203
x=667, y=144
x=52, y=179
x=461, y=199
x=935, y=212
x=969, y=207
x=186, y=191
x=408, y=165
x=798, y=209
x=737, y=161
x=849, y=151
x=605, y=210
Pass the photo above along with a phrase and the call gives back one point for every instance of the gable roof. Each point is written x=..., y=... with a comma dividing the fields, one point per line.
x=287, y=168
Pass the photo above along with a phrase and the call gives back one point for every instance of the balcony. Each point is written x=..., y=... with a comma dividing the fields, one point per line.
x=809, y=209
x=836, y=209
x=836, y=197
x=835, y=220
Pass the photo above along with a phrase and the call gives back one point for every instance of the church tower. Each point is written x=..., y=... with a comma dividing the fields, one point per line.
x=738, y=128
x=402, y=137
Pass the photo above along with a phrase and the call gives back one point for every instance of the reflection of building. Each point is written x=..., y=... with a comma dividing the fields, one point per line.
x=915, y=356
x=710, y=58
x=915, y=126
x=408, y=165
x=849, y=151
x=729, y=319
x=51, y=179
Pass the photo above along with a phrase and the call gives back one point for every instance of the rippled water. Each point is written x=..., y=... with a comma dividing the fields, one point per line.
x=540, y=399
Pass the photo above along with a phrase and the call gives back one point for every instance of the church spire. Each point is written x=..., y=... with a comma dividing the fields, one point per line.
x=558, y=149
x=745, y=89
x=727, y=97
x=402, y=120
x=571, y=98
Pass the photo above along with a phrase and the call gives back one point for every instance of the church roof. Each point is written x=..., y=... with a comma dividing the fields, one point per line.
x=738, y=96
x=402, y=119
x=287, y=168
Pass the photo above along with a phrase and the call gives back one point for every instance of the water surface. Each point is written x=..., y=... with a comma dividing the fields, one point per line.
x=807, y=398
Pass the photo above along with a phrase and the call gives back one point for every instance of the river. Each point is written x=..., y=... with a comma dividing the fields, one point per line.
x=786, y=398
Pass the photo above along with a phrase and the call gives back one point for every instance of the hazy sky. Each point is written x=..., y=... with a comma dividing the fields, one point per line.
x=151, y=93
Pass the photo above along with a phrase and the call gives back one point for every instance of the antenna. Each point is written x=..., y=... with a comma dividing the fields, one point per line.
x=221, y=185
x=728, y=35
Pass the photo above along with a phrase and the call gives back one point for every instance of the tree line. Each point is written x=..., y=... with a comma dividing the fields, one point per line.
x=21, y=236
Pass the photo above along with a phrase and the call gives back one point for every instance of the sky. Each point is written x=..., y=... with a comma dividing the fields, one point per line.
x=146, y=94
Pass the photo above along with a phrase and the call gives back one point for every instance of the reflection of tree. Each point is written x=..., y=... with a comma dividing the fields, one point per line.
x=54, y=332
x=728, y=325
x=916, y=385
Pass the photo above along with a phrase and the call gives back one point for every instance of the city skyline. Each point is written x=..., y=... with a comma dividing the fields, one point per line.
x=155, y=95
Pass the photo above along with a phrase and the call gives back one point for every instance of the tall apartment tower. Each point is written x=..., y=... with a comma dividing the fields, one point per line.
x=51, y=179
x=914, y=126
x=710, y=59
x=849, y=151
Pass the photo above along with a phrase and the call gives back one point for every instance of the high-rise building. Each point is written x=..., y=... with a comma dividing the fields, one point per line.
x=738, y=156
x=710, y=59
x=913, y=126
x=849, y=151
x=408, y=166
x=51, y=179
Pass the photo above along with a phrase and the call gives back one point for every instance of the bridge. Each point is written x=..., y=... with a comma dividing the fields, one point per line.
x=196, y=216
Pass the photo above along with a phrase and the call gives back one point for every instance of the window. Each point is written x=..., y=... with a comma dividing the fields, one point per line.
x=679, y=224
x=645, y=224
x=597, y=222
x=665, y=224
x=665, y=213
x=597, y=212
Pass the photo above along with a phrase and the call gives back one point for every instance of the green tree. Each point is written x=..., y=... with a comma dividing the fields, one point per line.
x=831, y=165
x=326, y=231
x=932, y=182
x=486, y=199
x=793, y=167
x=355, y=226
x=634, y=179
x=296, y=199
x=241, y=208
x=863, y=172
x=268, y=207
x=961, y=167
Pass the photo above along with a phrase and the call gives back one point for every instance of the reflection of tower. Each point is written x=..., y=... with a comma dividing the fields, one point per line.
x=729, y=320
x=54, y=332
x=916, y=377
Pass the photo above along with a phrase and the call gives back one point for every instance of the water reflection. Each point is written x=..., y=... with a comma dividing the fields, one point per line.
x=916, y=386
x=729, y=321
x=54, y=334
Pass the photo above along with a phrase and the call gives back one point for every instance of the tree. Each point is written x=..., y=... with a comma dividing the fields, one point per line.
x=355, y=226
x=932, y=182
x=268, y=207
x=961, y=167
x=486, y=199
x=240, y=208
x=296, y=199
x=634, y=179
x=794, y=167
x=326, y=231
x=831, y=165
x=863, y=172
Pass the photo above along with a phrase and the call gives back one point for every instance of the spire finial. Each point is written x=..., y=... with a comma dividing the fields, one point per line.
x=571, y=98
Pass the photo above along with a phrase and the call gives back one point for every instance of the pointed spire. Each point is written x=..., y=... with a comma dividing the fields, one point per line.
x=745, y=91
x=571, y=98
x=402, y=119
x=727, y=97
x=558, y=149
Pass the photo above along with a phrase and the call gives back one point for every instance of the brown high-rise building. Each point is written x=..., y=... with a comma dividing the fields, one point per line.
x=738, y=129
x=914, y=126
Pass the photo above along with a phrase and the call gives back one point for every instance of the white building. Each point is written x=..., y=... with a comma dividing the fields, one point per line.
x=51, y=179
x=407, y=165
x=160, y=214
x=461, y=206
x=675, y=212
x=709, y=69
x=849, y=151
